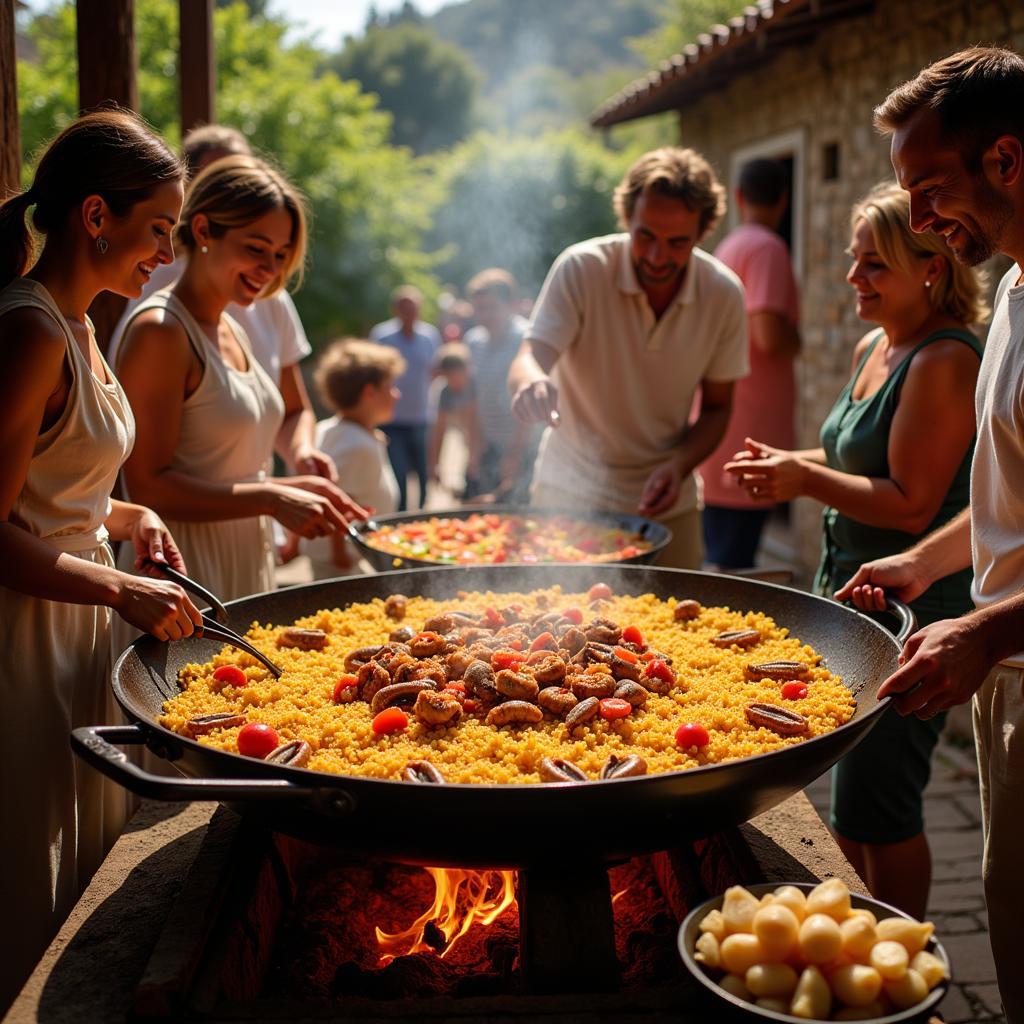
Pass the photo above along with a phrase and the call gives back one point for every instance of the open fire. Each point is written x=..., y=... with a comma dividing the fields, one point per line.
x=462, y=899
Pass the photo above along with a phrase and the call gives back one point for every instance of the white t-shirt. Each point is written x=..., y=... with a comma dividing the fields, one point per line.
x=997, y=472
x=272, y=325
x=364, y=471
x=625, y=378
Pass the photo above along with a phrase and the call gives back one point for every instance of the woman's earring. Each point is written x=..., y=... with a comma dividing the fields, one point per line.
x=927, y=284
x=204, y=249
x=101, y=245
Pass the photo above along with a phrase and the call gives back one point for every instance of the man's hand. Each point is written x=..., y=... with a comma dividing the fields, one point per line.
x=661, y=489
x=942, y=665
x=537, y=402
x=900, y=574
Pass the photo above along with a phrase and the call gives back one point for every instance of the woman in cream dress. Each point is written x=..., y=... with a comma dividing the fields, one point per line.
x=105, y=197
x=207, y=414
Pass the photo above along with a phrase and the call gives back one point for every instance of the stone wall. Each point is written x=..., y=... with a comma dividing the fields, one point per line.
x=827, y=91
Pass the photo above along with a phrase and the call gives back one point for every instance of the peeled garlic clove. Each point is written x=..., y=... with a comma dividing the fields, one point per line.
x=738, y=909
x=739, y=952
x=736, y=986
x=792, y=897
x=771, y=980
x=778, y=930
x=890, y=959
x=820, y=939
x=856, y=984
x=858, y=937
x=708, y=952
x=831, y=898
x=812, y=999
x=714, y=923
x=912, y=935
x=930, y=967
x=864, y=912
x=907, y=991
x=773, y=1003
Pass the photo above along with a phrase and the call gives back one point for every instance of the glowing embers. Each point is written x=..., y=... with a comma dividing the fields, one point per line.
x=462, y=899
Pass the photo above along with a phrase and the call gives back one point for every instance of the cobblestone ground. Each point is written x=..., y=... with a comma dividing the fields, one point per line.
x=957, y=905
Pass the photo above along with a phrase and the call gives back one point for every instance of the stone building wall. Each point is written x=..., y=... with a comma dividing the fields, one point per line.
x=827, y=90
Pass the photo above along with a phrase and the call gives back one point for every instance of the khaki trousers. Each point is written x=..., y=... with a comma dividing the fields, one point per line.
x=684, y=551
x=999, y=734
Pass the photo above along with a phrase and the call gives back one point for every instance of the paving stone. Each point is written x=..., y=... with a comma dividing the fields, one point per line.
x=957, y=924
x=958, y=897
x=956, y=844
x=949, y=870
x=971, y=957
x=956, y=1008
x=946, y=813
x=986, y=997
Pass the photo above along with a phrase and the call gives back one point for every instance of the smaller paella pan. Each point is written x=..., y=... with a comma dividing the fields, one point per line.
x=496, y=534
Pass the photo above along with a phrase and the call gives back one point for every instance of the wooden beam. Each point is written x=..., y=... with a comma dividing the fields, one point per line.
x=197, y=63
x=106, y=53
x=10, y=136
x=107, y=64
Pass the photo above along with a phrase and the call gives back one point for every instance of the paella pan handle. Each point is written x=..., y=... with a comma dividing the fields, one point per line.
x=95, y=744
x=908, y=620
x=903, y=612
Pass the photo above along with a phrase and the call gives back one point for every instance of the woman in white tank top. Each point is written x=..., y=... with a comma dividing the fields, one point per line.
x=106, y=194
x=207, y=414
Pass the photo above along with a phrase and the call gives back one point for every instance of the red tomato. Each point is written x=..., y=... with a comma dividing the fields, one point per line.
x=500, y=556
x=657, y=669
x=629, y=551
x=493, y=619
x=257, y=740
x=599, y=590
x=456, y=687
x=343, y=684
x=574, y=615
x=544, y=642
x=647, y=656
x=632, y=635
x=507, y=659
x=390, y=720
x=492, y=520
x=230, y=674
x=516, y=645
x=627, y=655
x=692, y=735
x=470, y=705
x=612, y=707
x=794, y=690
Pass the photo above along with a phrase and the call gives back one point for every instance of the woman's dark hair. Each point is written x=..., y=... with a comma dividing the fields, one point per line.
x=109, y=153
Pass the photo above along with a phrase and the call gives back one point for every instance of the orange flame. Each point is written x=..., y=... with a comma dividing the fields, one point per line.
x=461, y=899
x=618, y=896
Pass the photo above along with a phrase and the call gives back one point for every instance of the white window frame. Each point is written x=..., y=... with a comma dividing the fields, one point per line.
x=793, y=142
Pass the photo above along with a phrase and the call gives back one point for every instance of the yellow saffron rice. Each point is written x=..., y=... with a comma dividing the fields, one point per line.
x=713, y=691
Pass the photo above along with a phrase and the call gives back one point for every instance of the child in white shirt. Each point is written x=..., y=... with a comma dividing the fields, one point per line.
x=357, y=379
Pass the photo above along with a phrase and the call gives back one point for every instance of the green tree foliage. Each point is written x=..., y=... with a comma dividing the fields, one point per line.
x=428, y=86
x=516, y=202
x=370, y=201
x=681, y=22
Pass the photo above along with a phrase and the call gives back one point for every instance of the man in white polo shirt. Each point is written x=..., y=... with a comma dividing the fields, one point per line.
x=626, y=329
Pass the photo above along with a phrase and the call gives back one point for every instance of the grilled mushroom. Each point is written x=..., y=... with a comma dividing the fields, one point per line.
x=558, y=769
x=623, y=767
x=388, y=695
x=778, y=670
x=424, y=772
x=295, y=754
x=204, y=724
x=739, y=637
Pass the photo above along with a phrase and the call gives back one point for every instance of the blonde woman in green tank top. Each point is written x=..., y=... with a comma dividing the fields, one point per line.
x=893, y=465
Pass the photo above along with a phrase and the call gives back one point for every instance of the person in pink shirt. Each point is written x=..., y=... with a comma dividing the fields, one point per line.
x=763, y=402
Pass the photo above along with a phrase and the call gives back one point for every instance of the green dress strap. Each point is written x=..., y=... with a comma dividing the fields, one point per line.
x=855, y=437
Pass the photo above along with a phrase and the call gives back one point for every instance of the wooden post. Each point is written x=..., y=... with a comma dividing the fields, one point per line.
x=106, y=74
x=10, y=137
x=196, y=63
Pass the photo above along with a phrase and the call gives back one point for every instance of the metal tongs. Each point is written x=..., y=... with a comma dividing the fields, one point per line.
x=210, y=629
